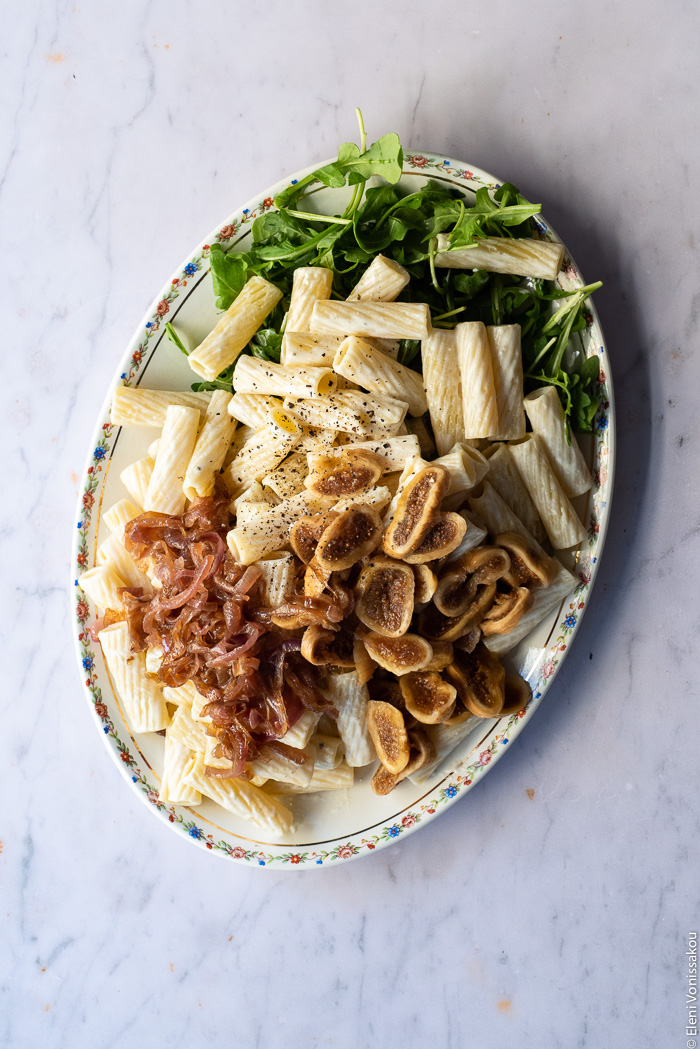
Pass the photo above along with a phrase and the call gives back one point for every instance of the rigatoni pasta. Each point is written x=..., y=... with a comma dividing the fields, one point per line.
x=235, y=329
x=165, y=489
x=547, y=419
x=561, y=522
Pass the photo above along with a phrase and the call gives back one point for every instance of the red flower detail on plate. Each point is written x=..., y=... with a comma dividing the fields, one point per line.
x=548, y=668
x=431, y=811
x=125, y=756
x=162, y=308
x=408, y=821
x=295, y=859
x=152, y=796
x=137, y=356
x=467, y=783
x=82, y=559
x=82, y=610
x=176, y=280
x=101, y=710
x=88, y=500
x=418, y=161
x=238, y=853
x=370, y=844
x=226, y=232
x=467, y=174
x=345, y=852
x=268, y=202
x=209, y=845
x=207, y=247
x=485, y=757
x=521, y=713
x=171, y=818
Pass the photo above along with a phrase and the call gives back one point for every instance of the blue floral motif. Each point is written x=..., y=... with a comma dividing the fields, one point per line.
x=451, y=791
x=603, y=423
x=88, y=663
x=149, y=324
x=99, y=453
x=570, y=621
x=394, y=831
x=261, y=863
x=195, y=832
x=190, y=268
x=80, y=525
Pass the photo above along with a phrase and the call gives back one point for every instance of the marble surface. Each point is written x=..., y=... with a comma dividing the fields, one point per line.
x=551, y=907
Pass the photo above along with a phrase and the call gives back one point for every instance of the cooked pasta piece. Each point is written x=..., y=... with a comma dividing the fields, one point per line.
x=284, y=769
x=113, y=553
x=309, y=284
x=177, y=762
x=165, y=490
x=544, y=602
x=443, y=388
x=189, y=730
x=278, y=577
x=302, y=349
x=382, y=411
x=384, y=320
x=288, y=478
x=133, y=406
x=505, y=477
x=467, y=467
x=351, y=699
x=396, y=451
x=546, y=415
x=497, y=516
x=328, y=413
x=255, y=376
x=382, y=281
x=136, y=479
x=262, y=452
x=142, y=698
x=476, y=378
x=330, y=751
x=561, y=522
x=102, y=585
x=119, y=515
x=262, y=529
x=358, y=360
x=377, y=497
x=252, y=409
x=182, y=696
x=210, y=450
x=444, y=739
x=519, y=256
x=507, y=364
x=242, y=799
x=341, y=777
x=235, y=328
x=302, y=730
x=418, y=427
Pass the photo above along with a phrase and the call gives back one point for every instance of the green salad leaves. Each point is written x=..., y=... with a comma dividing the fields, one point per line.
x=404, y=226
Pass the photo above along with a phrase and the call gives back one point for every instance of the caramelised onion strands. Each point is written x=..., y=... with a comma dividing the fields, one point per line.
x=207, y=617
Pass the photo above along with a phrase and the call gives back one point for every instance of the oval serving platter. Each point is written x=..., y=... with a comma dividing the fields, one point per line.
x=339, y=826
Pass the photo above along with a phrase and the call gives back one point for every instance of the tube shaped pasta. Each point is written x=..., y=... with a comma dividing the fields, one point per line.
x=264, y=377
x=521, y=257
x=142, y=697
x=278, y=577
x=132, y=406
x=497, y=516
x=101, y=584
x=210, y=450
x=288, y=478
x=544, y=602
x=505, y=477
x=113, y=553
x=443, y=388
x=371, y=369
x=262, y=529
x=341, y=777
x=546, y=415
x=235, y=329
x=252, y=409
x=467, y=467
x=119, y=515
x=351, y=699
x=136, y=479
x=165, y=490
x=262, y=453
x=382, y=281
x=559, y=518
x=382, y=411
x=242, y=799
x=177, y=762
x=444, y=739
x=302, y=349
x=309, y=284
x=476, y=376
x=385, y=320
x=302, y=730
x=329, y=413
x=507, y=365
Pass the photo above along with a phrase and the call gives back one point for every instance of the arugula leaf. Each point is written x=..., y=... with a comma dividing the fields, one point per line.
x=229, y=274
x=470, y=284
x=384, y=157
x=408, y=350
x=267, y=345
x=174, y=337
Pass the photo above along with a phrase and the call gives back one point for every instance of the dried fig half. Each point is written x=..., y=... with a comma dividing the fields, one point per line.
x=321, y=647
x=444, y=536
x=305, y=534
x=484, y=682
x=528, y=566
x=384, y=597
x=429, y=698
x=518, y=694
x=438, y=627
x=400, y=655
x=344, y=473
x=422, y=752
x=416, y=509
x=353, y=534
x=426, y=583
x=386, y=726
x=486, y=564
x=443, y=655
x=507, y=611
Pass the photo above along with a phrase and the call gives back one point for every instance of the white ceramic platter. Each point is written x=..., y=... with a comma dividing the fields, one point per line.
x=338, y=826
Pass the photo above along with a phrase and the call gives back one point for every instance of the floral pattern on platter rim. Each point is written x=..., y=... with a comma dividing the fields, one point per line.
x=491, y=747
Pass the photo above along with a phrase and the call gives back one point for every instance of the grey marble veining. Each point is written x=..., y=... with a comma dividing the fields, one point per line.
x=551, y=906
